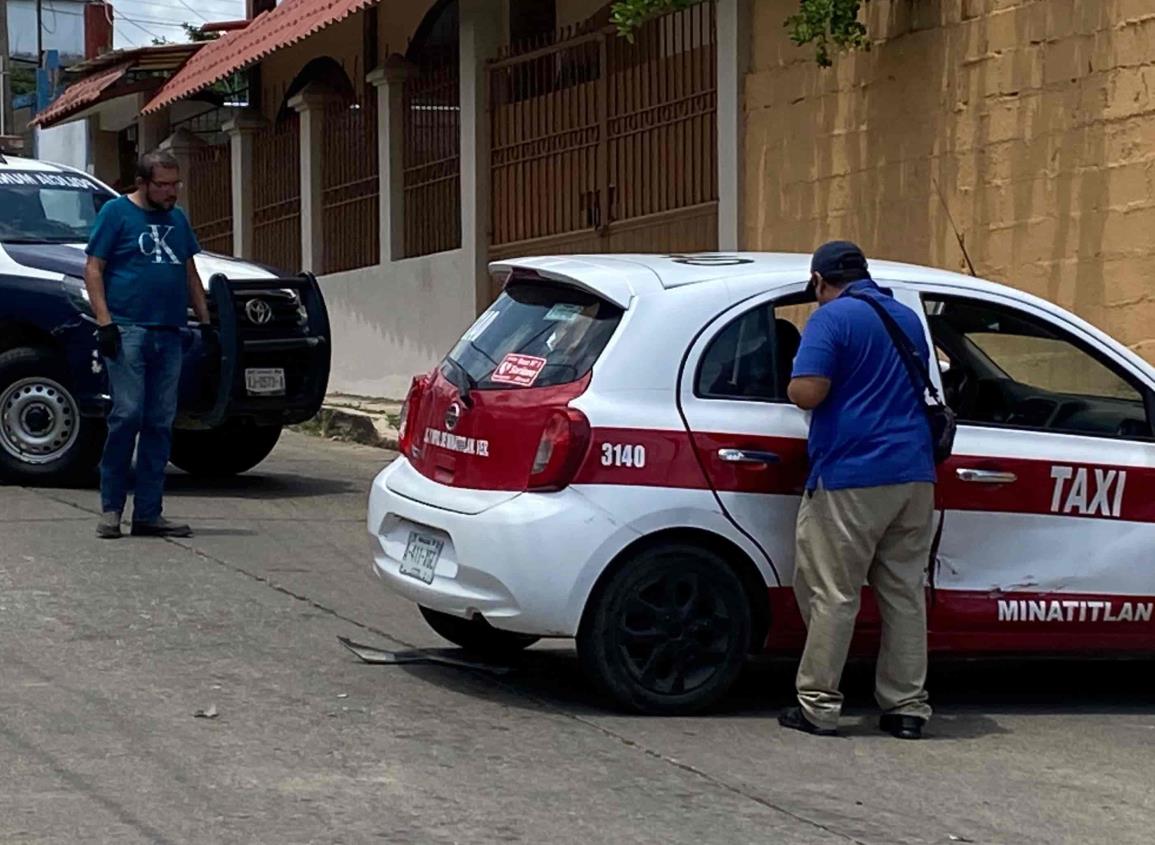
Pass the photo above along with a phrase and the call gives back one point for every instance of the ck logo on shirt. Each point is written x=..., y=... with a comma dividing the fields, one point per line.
x=152, y=242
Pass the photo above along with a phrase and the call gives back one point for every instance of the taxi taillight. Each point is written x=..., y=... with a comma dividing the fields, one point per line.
x=408, y=414
x=560, y=452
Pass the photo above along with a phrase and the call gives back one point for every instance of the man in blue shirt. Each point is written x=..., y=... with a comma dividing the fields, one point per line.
x=141, y=280
x=867, y=513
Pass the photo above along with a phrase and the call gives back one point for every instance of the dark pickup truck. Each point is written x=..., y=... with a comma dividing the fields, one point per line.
x=272, y=370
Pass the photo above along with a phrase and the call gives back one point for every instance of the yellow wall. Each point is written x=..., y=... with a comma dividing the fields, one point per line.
x=1035, y=118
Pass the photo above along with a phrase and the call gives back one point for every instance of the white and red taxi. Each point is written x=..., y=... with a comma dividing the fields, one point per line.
x=608, y=454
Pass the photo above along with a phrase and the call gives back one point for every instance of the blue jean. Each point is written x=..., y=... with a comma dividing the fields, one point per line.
x=144, y=379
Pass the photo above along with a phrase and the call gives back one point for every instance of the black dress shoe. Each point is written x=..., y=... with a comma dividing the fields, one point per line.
x=902, y=727
x=796, y=720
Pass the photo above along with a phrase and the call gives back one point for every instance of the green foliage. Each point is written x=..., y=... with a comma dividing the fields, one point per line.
x=22, y=81
x=628, y=15
x=196, y=34
x=827, y=24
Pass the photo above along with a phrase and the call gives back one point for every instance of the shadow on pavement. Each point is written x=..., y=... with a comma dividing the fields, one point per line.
x=968, y=696
x=257, y=485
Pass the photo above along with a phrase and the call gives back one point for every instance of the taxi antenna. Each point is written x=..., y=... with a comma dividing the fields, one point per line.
x=958, y=235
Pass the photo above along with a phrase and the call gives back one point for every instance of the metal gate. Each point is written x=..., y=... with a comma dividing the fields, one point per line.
x=277, y=195
x=210, y=197
x=603, y=145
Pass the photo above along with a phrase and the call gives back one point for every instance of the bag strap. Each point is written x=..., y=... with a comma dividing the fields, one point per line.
x=916, y=367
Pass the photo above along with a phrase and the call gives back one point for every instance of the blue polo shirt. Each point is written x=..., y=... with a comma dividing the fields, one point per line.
x=872, y=429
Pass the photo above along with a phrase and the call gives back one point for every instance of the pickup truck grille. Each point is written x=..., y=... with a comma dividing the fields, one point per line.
x=269, y=310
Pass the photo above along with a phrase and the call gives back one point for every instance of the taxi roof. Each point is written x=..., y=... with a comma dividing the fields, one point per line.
x=622, y=277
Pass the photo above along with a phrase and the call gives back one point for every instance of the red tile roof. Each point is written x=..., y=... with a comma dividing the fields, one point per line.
x=80, y=95
x=288, y=23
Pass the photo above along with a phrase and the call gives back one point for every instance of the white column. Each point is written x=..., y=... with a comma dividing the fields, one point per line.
x=310, y=104
x=241, y=131
x=151, y=130
x=389, y=80
x=181, y=144
x=480, y=38
x=734, y=22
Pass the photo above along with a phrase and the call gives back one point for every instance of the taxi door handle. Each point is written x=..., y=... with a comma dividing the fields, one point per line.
x=747, y=456
x=985, y=476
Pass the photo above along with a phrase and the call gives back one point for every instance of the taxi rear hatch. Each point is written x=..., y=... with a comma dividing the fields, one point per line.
x=494, y=417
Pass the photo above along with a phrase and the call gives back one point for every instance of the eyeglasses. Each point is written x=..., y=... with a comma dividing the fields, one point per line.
x=164, y=186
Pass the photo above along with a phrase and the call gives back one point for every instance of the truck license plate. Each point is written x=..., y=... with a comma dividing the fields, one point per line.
x=421, y=556
x=265, y=381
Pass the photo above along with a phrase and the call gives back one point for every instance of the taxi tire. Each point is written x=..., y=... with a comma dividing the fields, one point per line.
x=233, y=448
x=476, y=635
x=75, y=465
x=617, y=603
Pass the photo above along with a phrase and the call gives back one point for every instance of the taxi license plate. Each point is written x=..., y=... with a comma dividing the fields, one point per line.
x=421, y=556
x=265, y=381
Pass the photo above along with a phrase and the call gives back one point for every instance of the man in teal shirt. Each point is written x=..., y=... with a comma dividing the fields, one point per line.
x=141, y=280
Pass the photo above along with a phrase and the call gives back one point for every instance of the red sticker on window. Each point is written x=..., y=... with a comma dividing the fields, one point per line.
x=521, y=370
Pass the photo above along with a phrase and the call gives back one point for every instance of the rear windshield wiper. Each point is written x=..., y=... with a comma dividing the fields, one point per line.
x=470, y=381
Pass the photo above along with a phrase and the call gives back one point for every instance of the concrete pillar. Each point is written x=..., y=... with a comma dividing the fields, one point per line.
x=310, y=105
x=388, y=80
x=105, y=153
x=734, y=23
x=241, y=130
x=181, y=144
x=480, y=38
x=151, y=130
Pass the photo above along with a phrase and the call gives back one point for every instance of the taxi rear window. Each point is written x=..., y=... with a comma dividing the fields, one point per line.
x=536, y=334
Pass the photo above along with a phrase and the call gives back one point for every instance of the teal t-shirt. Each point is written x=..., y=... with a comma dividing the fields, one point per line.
x=146, y=255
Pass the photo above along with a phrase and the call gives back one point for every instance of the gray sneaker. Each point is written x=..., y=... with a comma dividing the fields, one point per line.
x=109, y=526
x=160, y=528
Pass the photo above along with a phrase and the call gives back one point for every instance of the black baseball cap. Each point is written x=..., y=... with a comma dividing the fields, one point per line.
x=839, y=261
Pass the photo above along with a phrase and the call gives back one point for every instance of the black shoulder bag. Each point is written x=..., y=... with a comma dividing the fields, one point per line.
x=941, y=418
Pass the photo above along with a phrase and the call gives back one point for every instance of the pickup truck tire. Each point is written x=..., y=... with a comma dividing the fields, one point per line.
x=43, y=438
x=477, y=636
x=233, y=448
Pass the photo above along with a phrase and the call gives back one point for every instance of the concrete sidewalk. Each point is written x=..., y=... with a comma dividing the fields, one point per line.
x=357, y=419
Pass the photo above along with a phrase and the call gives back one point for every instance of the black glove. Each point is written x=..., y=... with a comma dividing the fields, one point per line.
x=108, y=340
x=211, y=342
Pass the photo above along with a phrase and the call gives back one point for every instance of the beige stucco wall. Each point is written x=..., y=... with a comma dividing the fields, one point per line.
x=1035, y=118
x=392, y=322
x=341, y=42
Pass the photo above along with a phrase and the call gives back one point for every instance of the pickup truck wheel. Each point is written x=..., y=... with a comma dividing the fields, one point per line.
x=235, y=447
x=476, y=635
x=668, y=632
x=43, y=438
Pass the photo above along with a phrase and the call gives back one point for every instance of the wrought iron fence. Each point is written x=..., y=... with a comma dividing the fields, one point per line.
x=209, y=199
x=592, y=130
x=351, y=188
x=277, y=195
x=431, y=169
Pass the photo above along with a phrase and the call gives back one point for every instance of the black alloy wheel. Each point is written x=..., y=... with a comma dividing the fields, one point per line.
x=669, y=632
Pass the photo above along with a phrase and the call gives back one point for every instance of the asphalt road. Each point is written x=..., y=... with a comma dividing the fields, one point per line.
x=108, y=649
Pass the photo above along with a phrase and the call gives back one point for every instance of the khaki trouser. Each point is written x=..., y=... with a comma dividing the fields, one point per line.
x=845, y=538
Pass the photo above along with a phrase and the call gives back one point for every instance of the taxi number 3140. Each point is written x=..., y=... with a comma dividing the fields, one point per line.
x=623, y=455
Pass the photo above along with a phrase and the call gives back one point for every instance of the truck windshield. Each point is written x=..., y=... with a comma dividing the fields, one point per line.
x=38, y=207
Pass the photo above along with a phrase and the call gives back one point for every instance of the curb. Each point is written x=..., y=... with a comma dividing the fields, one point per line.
x=350, y=426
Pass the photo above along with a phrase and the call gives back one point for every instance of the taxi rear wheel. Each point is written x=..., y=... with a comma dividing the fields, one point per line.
x=476, y=635
x=668, y=633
